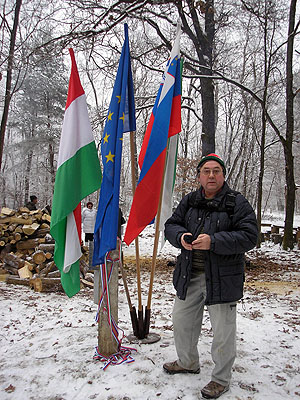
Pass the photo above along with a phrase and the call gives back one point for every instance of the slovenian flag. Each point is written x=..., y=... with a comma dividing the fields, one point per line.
x=165, y=122
x=78, y=175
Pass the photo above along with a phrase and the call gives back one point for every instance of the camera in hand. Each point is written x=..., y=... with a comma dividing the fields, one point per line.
x=188, y=239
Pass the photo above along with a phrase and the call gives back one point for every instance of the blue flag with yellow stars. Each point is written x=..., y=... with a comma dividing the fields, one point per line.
x=120, y=119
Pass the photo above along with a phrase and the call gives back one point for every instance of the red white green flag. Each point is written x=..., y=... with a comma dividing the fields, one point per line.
x=78, y=175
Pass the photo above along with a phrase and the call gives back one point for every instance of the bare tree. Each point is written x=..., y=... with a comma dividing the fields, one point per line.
x=9, y=71
x=288, y=140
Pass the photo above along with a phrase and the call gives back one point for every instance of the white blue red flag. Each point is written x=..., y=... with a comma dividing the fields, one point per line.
x=165, y=121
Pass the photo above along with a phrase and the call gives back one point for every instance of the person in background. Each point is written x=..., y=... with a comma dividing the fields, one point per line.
x=31, y=205
x=88, y=217
x=121, y=221
x=213, y=226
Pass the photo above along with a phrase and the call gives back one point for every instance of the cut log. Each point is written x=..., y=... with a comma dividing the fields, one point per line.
x=49, y=267
x=17, y=281
x=48, y=255
x=46, y=217
x=17, y=236
x=12, y=227
x=29, y=244
x=83, y=267
x=16, y=220
x=30, y=265
x=54, y=274
x=86, y=283
x=35, y=212
x=3, y=276
x=7, y=211
x=30, y=229
x=40, y=233
x=39, y=268
x=44, y=284
x=10, y=269
x=13, y=260
x=24, y=272
x=7, y=249
x=24, y=210
x=45, y=225
x=48, y=247
x=39, y=257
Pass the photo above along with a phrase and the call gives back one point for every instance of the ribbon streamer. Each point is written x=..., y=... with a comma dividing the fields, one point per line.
x=123, y=354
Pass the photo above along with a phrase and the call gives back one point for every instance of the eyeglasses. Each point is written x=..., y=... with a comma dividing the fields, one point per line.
x=207, y=171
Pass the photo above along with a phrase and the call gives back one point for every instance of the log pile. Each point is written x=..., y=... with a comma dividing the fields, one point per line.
x=27, y=249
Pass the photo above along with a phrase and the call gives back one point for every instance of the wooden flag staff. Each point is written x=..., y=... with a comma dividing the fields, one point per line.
x=140, y=333
x=154, y=255
x=132, y=309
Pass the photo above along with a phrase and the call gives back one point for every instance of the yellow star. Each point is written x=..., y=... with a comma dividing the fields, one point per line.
x=123, y=118
x=121, y=138
x=109, y=116
x=105, y=139
x=110, y=157
x=119, y=98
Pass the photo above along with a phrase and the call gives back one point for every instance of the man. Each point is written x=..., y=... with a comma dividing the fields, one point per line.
x=31, y=205
x=88, y=217
x=214, y=226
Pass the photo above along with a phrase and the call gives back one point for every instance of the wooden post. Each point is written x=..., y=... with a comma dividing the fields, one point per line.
x=137, y=253
x=153, y=264
x=107, y=345
x=155, y=247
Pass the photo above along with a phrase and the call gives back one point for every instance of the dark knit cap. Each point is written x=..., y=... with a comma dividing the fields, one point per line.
x=211, y=157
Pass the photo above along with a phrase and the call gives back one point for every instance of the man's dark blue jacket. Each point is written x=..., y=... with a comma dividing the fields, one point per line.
x=232, y=232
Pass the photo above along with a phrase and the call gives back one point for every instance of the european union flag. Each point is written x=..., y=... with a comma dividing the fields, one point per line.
x=120, y=119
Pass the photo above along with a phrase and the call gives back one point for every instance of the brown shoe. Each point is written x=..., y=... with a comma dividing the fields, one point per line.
x=174, y=368
x=213, y=390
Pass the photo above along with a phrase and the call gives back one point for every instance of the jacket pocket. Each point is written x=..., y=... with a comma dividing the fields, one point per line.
x=231, y=282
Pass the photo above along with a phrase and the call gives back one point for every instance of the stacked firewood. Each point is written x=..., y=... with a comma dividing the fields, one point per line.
x=27, y=248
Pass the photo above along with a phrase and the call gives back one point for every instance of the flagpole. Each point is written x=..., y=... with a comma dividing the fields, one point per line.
x=132, y=310
x=137, y=252
x=154, y=255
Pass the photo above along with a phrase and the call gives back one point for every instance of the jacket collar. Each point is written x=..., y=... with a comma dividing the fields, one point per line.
x=198, y=199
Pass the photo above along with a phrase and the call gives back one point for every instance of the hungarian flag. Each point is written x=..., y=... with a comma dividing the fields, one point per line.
x=165, y=122
x=78, y=175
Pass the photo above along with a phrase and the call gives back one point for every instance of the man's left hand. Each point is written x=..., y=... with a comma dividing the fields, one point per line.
x=202, y=242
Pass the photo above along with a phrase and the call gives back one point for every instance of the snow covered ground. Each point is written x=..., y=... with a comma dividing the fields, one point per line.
x=47, y=340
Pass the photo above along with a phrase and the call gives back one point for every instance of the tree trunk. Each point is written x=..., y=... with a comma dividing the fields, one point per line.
x=27, y=176
x=207, y=85
x=9, y=77
x=288, y=147
x=208, y=115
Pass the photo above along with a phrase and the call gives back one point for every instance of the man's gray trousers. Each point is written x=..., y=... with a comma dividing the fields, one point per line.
x=187, y=323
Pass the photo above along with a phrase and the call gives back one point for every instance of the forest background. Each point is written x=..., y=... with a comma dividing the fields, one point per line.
x=240, y=90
